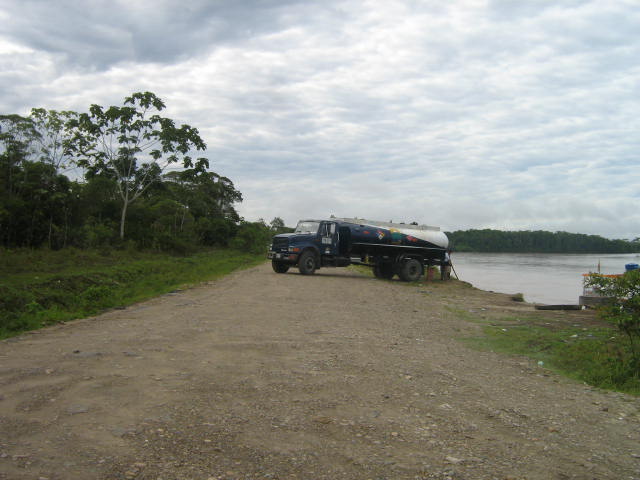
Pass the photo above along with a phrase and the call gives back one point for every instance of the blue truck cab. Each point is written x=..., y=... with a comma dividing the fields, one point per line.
x=313, y=244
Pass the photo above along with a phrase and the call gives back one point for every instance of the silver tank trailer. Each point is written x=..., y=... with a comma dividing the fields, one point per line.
x=388, y=233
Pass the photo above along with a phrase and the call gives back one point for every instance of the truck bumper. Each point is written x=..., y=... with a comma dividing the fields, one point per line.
x=283, y=257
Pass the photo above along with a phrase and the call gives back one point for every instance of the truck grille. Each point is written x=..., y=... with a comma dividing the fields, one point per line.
x=280, y=243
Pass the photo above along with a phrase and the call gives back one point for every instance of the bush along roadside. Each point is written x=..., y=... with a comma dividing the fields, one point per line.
x=69, y=286
x=623, y=310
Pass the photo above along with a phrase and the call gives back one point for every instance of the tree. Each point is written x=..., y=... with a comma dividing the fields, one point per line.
x=206, y=194
x=623, y=308
x=36, y=202
x=277, y=224
x=133, y=145
x=252, y=237
x=17, y=135
x=46, y=200
x=53, y=136
x=210, y=199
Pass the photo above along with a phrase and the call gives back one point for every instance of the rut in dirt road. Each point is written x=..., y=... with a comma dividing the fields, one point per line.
x=269, y=376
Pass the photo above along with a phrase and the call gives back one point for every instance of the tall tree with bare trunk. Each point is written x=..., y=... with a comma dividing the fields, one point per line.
x=133, y=145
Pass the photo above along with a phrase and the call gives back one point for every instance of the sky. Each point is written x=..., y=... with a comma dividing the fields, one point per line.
x=506, y=114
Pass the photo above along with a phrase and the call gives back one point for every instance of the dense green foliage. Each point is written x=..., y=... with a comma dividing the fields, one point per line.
x=72, y=179
x=132, y=145
x=488, y=240
x=623, y=310
x=44, y=287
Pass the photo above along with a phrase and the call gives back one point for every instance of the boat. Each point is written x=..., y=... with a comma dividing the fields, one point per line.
x=591, y=295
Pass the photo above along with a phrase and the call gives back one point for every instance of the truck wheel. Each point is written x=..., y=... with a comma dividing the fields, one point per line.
x=279, y=267
x=383, y=270
x=376, y=271
x=307, y=263
x=410, y=270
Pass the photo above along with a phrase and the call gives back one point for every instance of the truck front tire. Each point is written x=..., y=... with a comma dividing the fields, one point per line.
x=307, y=263
x=279, y=267
x=411, y=270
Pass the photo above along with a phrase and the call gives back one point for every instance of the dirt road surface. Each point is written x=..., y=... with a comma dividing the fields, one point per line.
x=331, y=376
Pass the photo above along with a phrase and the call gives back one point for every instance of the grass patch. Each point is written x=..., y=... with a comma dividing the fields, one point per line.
x=595, y=354
x=366, y=271
x=41, y=287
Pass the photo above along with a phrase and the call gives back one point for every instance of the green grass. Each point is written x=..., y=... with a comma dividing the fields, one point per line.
x=597, y=355
x=41, y=287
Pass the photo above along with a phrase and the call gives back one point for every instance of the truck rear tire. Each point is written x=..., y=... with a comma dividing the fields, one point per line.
x=307, y=263
x=279, y=267
x=383, y=270
x=411, y=270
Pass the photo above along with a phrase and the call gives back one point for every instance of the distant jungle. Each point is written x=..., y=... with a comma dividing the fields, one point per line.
x=488, y=240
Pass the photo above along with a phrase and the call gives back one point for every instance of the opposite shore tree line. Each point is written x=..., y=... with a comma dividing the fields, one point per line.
x=498, y=241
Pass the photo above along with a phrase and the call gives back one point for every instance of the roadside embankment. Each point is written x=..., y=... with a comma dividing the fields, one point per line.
x=44, y=287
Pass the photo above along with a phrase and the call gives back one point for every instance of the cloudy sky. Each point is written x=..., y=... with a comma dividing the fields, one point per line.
x=508, y=114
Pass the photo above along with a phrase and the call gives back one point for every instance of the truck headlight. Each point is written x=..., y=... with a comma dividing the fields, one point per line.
x=294, y=249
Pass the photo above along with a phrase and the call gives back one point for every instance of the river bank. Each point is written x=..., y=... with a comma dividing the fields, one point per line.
x=335, y=375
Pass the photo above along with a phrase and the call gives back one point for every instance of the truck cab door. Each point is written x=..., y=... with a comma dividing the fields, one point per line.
x=329, y=238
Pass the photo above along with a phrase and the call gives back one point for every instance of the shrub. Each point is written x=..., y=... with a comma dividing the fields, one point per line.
x=97, y=296
x=623, y=310
x=252, y=237
x=215, y=231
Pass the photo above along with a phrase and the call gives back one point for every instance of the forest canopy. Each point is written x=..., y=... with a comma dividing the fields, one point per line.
x=539, y=241
x=117, y=175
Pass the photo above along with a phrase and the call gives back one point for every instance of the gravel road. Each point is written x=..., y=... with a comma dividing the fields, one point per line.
x=330, y=376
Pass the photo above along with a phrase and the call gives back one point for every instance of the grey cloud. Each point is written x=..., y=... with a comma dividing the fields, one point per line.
x=511, y=116
x=100, y=33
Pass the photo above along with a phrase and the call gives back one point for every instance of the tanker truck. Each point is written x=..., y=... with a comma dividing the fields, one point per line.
x=405, y=250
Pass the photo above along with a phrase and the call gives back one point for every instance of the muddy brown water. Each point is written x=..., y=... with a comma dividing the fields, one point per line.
x=541, y=278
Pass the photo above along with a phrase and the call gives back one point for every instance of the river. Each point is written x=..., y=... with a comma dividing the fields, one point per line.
x=541, y=278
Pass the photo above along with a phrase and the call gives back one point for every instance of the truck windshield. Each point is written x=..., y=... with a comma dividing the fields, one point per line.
x=307, y=227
